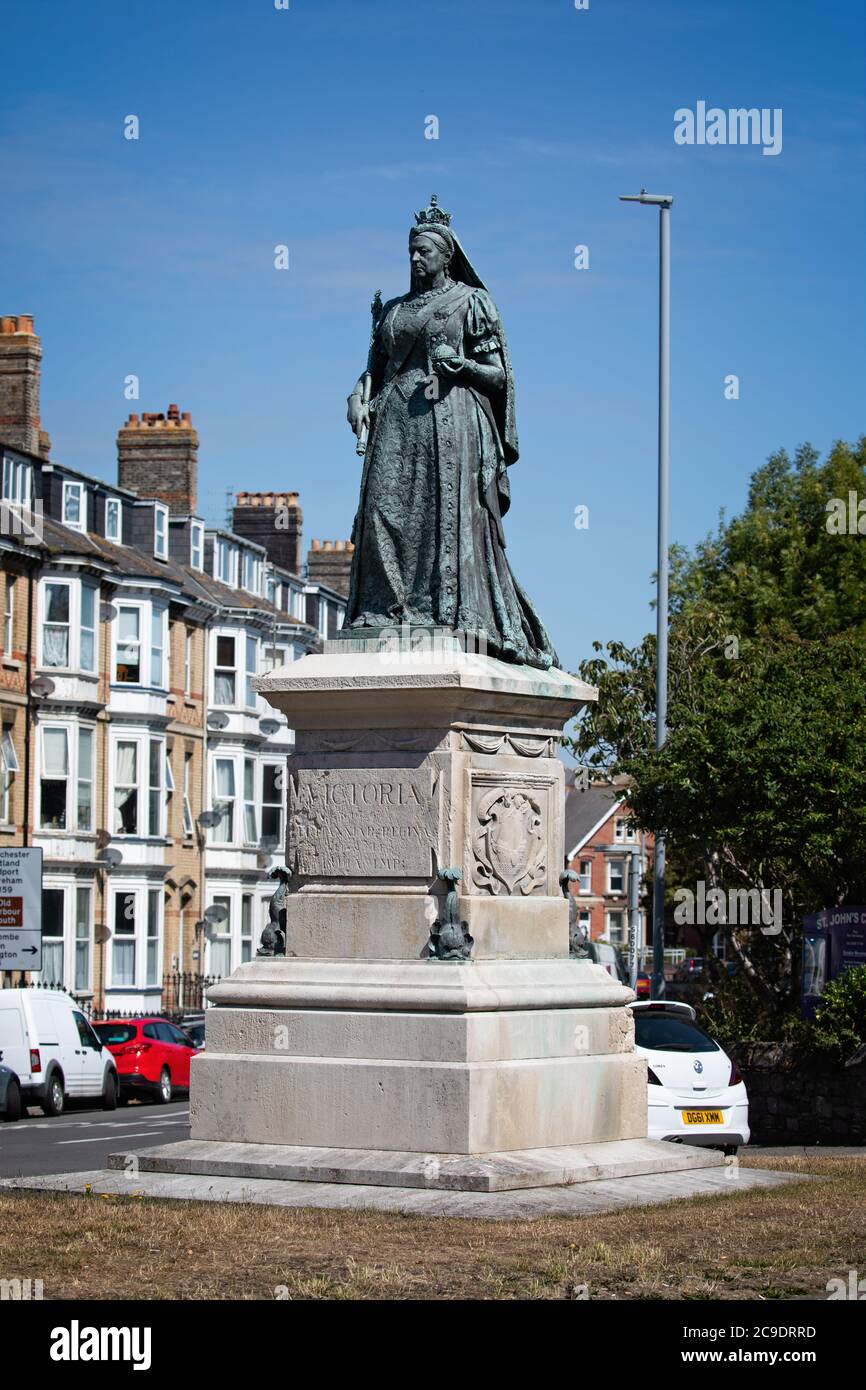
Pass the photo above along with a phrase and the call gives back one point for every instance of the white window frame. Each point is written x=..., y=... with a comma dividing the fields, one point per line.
x=142, y=897
x=187, y=660
x=278, y=806
x=611, y=863
x=622, y=832
x=150, y=811
x=115, y=533
x=70, y=486
x=17, y=480
x=187, y=822
x=8, y=767
x=237, y=638
x=224, y=550
x=196, y=545
x=620, y=938
x=251, y=670
x=152, y=622
x=74, y=631
x=228, y=803
x=584, y=879
x=250, y=794
x=160, y=531
x=71, y=938
x=73, y=778
x=222, y=933
x=9, y=615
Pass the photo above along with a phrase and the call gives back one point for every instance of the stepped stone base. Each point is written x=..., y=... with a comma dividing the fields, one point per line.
x=492, y=1172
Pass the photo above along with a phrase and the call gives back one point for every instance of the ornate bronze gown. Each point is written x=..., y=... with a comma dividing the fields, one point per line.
x=429, y=545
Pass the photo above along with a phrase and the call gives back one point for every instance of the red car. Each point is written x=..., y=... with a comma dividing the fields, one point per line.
x=643, y=986
x=152, y=1056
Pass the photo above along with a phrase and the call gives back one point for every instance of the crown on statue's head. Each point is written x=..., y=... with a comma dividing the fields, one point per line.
x=433, y=216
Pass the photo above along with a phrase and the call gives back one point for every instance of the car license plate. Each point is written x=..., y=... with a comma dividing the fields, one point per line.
x=703, y=1117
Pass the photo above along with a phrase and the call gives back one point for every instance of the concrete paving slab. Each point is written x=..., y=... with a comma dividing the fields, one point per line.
x=579, y=1199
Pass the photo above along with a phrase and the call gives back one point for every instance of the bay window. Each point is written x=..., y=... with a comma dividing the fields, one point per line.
x=136, y=948
x=139, y=786
x=66, y=777
x=141, y=653
x=67, y=936
x=68, y=627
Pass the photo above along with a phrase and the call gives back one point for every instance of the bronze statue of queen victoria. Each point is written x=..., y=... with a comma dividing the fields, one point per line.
x=436, y=408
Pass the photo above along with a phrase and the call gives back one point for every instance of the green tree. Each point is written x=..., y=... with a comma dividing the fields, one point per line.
x=762, y=779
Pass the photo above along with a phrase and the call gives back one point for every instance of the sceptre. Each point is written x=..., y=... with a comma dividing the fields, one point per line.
x=367, y=387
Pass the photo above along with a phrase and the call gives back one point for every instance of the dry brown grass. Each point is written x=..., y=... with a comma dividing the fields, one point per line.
x=775, y=1244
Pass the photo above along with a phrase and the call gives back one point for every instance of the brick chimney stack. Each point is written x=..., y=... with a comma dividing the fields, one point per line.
x=274, y=520
x=157, y=456
x=330, y=562
x=20, y=364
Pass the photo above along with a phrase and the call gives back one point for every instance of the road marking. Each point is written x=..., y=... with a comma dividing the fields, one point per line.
x=97, y=1138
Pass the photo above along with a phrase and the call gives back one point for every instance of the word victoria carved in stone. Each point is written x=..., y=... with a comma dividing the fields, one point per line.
x=362, y=822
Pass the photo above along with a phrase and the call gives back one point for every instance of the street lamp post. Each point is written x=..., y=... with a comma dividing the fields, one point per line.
x=663, y=202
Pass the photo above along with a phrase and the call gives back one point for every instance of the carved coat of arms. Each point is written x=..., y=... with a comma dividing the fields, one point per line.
x=509, y=843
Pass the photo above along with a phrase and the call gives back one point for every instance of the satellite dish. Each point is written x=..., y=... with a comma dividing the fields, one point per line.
x=215, y=914
x=107, y=612
x=217, y=719
x=42, y=686
x=269, y=726
x=111, y=857
x=208, y=819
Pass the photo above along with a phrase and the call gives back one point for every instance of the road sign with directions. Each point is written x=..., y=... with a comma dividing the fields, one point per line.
x=20, y=909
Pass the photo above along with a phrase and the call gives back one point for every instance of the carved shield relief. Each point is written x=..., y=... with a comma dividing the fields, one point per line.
x=509, y=842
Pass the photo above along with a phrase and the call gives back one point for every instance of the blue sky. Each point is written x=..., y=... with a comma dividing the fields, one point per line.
x=306, y=127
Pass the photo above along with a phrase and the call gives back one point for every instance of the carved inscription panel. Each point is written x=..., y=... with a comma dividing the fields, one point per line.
x=357, y=822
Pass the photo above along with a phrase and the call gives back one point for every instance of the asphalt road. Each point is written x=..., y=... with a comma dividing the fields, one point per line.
x=83, y=1136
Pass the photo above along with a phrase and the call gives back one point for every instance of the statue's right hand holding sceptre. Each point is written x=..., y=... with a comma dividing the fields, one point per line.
x=358, y=413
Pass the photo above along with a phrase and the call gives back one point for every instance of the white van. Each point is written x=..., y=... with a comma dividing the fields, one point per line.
x=53, y=1051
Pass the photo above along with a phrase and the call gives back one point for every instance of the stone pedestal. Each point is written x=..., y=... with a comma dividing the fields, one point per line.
x=409, y=766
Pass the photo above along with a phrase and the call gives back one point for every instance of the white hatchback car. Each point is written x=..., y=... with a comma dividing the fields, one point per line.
x=696, y=1094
